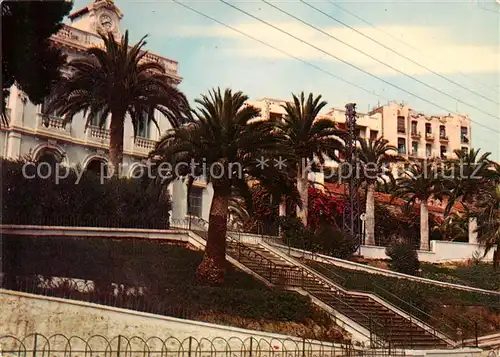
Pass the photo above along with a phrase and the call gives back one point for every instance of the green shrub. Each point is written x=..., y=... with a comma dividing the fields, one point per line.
x=87, y=202
x=334, y=242
x=325, y=239
x=404, y=258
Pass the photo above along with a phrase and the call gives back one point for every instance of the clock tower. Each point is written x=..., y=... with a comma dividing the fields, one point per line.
x=100, y=16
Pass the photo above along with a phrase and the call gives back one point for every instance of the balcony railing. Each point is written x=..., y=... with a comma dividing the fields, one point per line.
x=429, y=136
x=416, y=135
x=50, y=121
x=443, y=138
x=144, y=144
x=52, y=124
x=464, y=139
x=98, y=134
x=85, y=39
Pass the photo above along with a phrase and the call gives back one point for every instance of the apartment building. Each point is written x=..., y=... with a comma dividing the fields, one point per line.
x=45, y=138
x=421, y=135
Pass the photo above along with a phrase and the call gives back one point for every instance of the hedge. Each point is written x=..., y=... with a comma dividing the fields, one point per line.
x=87, y=202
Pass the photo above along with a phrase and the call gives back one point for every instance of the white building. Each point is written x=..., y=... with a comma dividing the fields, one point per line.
x=29, y=134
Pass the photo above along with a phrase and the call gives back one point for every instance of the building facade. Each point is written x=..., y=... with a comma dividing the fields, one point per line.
x=45, y=138
x=420, y=135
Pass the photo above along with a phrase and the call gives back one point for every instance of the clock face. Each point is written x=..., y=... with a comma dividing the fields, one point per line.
x=106, y=21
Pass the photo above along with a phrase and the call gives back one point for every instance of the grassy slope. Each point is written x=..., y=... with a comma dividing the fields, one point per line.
x=167, y=273
x=480, y=275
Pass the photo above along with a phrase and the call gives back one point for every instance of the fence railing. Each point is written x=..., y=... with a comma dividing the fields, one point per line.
x=466, y=332
x=65, y=220
x=39, y=345
x=380, y=333
x=448, y=327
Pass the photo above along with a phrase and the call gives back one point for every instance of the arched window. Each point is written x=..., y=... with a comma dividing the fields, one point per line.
x=97, y=166
x=50, y=157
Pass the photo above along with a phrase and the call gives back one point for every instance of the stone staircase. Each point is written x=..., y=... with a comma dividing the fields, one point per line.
x=384, y=323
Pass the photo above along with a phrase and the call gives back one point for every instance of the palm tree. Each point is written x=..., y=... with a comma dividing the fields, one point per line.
x=226, y=137
x=487, y=211
x=116, y=80
x=419, y=183
x=466, y=173
x=309, y=138
x=455, y=227
x=374, y=160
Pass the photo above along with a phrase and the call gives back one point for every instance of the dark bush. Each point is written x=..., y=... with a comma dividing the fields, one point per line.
x=86, y=202
x=325, y=239
x=336, y=243
x=404, y=258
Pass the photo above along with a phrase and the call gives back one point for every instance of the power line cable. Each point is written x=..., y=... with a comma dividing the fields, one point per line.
x=350, y=64
x=374, y=58
x=404, y=42
x=398, y=53
x=281, y=51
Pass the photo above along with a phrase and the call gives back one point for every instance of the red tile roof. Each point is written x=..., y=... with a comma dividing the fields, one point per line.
x=435, y=206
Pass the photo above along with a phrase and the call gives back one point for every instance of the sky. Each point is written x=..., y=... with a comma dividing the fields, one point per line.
x=347, y=51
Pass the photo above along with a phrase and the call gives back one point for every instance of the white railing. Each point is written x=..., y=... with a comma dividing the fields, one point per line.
x=87, y=39
x=78, y=37
x=98, y=133
x=144, y=144
x=50, y=121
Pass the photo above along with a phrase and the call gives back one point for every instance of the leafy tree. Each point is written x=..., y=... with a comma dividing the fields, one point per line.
x=225, y=136
x=116, y=80
x=28, y=58
x=310, y=138
x=420, y=182
x=374, y=159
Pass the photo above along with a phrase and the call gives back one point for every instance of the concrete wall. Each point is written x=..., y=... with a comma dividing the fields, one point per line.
x=24, y=314
x=440, y=251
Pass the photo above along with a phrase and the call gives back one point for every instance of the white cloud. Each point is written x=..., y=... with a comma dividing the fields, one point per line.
x=443, y=56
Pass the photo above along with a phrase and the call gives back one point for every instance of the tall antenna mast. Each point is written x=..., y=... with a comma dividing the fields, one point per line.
x=351, y=214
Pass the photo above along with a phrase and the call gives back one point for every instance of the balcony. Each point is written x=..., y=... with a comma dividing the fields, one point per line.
x=98, y=136
x=143, y=146
x=82, y=40
x=416, y=135
x=443, y=138
x=401, y=130
x=51, y=125
x=429, y=136
x=464, y=139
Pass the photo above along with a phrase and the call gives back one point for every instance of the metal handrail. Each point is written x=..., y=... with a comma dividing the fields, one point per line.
x=389, y=303
x=381, y=329
x=442, y=322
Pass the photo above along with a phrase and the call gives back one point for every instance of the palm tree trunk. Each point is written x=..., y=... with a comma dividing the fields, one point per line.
x=116, y=142
x=424, y=226
x=211, y=269
x=303, y=189
x=370, y=215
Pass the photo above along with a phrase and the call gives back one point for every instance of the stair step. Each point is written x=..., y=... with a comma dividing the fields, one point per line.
x=362, y=309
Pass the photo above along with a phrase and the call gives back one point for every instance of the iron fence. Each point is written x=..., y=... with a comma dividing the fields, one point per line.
x=66, y=220
x=110, y=294
x=59, y=345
